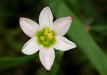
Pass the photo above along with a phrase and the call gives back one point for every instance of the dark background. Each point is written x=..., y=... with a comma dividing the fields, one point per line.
x=91, y=13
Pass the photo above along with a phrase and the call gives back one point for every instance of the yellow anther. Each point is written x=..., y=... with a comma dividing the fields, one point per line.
x=50, y=37
x=47, y=31
x=49, y=34
x=42, y=38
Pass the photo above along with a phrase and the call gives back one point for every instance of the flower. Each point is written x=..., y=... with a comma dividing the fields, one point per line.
x=46, y=36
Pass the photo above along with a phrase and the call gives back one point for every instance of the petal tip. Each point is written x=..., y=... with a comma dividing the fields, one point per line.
x=25, y=52
x=47, y=7
x=19, y=18
x=22, y=18
x=48, y=69
x=75, y=45
x=71, y=17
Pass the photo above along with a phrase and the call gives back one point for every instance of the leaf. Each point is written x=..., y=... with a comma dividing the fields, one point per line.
x=84, y=41
x=102, y=29
x=15, y=44
x=6, y=62
x=1, y=47
x=90, y=11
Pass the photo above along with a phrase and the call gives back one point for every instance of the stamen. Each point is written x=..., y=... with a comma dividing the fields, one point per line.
x=46, y=37
x=47, y=31
x=51, y=37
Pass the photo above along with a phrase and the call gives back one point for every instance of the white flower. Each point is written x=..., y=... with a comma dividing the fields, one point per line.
x=46, y=36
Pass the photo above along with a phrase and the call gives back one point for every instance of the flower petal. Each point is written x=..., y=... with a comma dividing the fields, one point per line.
x=28, y=26
x=63, y=44
x=47, y=57
x=62, y=25
x=45, y=18
x=31, y=46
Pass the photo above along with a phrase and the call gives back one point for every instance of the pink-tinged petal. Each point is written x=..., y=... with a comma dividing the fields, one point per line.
x=47, y=56
x=63, y=44
x=28, y=26
x=62, y=25
x=45, y=18
x=31, y=46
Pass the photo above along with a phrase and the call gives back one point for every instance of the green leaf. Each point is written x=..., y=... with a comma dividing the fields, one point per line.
x=102, y=29
x=91, y=12
x=83, y=40
x=6, y=62
x=1, y=47
x=15, y=44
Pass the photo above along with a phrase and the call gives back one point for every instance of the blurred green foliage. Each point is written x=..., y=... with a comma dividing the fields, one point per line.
x=88, y=31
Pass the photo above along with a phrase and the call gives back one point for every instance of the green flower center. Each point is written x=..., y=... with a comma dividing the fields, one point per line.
x=46, y=37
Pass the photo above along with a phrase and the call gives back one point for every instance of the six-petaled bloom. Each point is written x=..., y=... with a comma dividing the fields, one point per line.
x=46, y=36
